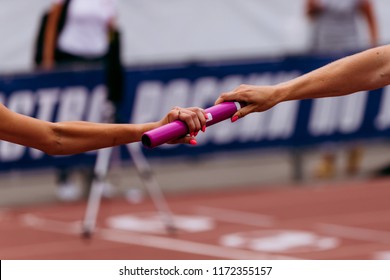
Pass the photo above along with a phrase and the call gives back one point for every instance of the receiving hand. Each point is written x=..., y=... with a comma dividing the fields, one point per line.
x=194, y=117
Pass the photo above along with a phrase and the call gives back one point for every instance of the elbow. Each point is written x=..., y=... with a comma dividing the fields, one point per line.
x=52, y=148
x=52, y=144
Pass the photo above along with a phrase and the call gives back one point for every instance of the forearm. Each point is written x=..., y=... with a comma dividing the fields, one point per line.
x=67, y=137
x=78, y=137
x=363, y=71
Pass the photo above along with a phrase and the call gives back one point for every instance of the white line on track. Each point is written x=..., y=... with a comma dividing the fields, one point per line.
x=185, y=246
x=165, y=243
x=33, y=221
x=355, y=233
x=237, y=217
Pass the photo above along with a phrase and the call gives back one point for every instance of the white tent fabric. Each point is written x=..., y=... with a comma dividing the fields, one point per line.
x=156, y=31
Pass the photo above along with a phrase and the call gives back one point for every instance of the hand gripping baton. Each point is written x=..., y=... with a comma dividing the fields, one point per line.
x=177, y=129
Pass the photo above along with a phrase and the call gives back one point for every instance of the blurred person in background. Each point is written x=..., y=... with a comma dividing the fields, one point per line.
x=335, y=30
x=83, y=33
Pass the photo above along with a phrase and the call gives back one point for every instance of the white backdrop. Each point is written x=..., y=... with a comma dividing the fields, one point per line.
x=180, y=30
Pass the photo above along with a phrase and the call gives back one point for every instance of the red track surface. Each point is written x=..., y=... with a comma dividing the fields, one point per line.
x=338, y=221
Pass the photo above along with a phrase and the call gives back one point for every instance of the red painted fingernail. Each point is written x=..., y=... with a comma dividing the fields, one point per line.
x=235, y=118
x=204, y=128
x=195, y=133
x=206, y=116
x=192, y=134
x=193, y=142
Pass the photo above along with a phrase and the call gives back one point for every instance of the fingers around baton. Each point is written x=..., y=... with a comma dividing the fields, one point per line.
x=190, y=118
x=200, y=119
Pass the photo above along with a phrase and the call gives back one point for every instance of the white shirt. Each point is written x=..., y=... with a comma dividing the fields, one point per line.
x=336, y=28
x=86, y=28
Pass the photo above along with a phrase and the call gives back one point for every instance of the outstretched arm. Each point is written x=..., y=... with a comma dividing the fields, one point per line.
x=363, y=71
x=75, y=137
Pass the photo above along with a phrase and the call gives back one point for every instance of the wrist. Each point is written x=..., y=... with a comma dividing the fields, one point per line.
x=145, y=127
x=281, y=93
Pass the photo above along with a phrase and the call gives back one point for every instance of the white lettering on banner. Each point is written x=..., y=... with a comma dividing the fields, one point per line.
x=270, y=78
x=154, y=98
x=147, y=102
x=21, y=102
x=341, y=114
x=97, y=108
x=222, y=133
x=285, y=76
x=205, y=90
x=178, y=92
x=323, y=116
x=260, y=79
x=382, y=121
x=247, y=125
x=228, y=83
x=352, y=112
x=282, y=120
x=74, y=103
x=96, y=104
x=47, y=100
x=276, y=123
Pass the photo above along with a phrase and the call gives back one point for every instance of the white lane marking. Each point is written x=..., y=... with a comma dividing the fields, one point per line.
x=152, y=223
x=355, y=233
x=33, y=221
x=237, y=217
x=280, y=241
x=137, y=239
x=186, y=246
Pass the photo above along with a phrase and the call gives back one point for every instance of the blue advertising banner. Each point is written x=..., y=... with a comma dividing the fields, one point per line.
x=152, y=91
x=59, y=96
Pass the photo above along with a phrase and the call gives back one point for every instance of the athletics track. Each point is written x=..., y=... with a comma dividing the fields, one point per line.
x=348, y=220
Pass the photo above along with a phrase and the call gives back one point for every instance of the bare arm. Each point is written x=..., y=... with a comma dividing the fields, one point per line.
x=363, y=71
x=75, y=137
x=50, y=36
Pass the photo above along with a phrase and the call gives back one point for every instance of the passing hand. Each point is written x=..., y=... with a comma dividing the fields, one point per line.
x=256, y=98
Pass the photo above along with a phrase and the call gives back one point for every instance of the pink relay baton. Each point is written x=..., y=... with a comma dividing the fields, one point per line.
x=177, y=129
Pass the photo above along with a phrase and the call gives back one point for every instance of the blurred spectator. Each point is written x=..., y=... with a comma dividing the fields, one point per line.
x=81, y=32
x=336, y=24
x=335, y=29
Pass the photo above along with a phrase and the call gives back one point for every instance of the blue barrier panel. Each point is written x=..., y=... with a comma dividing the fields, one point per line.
x=58, y=96
x=152, y=91
x=290, y=124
